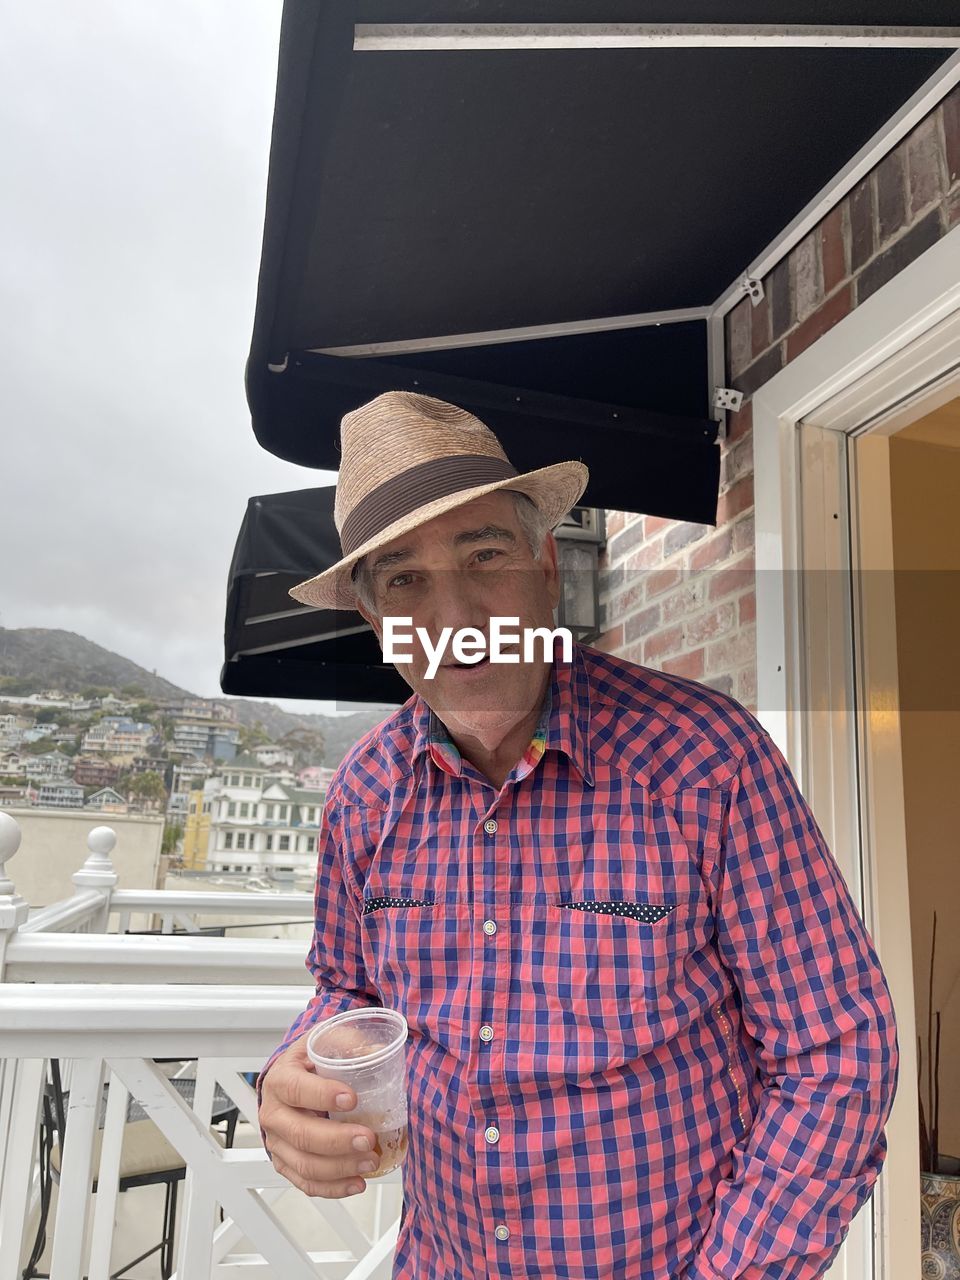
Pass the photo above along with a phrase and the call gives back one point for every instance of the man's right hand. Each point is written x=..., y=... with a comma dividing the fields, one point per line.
x=316, y=1154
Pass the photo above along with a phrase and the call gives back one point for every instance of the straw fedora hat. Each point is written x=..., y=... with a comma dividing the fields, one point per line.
x=406, y=458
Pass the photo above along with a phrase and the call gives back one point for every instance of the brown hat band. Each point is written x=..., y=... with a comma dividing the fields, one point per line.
x=414, y=488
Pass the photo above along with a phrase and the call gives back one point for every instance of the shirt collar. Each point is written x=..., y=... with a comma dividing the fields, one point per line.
x=564, y=724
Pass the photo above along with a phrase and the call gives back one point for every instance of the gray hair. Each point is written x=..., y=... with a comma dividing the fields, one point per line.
x=529, y=515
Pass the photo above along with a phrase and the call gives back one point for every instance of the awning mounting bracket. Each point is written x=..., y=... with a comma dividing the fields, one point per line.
x=752, y=286
x=727, y=398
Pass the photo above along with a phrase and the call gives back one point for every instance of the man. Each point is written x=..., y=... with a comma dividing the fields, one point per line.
x=650, y=1037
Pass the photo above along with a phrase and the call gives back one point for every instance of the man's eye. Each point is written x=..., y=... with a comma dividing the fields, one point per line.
x=400, y=580
x=488, y=554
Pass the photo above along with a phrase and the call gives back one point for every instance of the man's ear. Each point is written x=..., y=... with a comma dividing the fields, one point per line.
x=372, y=619
x=550, y=564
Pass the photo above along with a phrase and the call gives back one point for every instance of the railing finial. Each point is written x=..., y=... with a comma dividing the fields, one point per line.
x=102, y=841
x=10, y=836
x=98, y=870
x=14, y=910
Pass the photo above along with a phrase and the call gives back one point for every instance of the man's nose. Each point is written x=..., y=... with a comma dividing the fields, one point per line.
x=455, y=602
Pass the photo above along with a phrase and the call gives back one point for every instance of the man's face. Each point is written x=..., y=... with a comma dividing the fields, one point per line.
x=459, y=570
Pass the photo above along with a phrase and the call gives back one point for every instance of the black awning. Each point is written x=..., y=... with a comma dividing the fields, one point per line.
x=664, y=465
x=415, y=195
x=275, y=647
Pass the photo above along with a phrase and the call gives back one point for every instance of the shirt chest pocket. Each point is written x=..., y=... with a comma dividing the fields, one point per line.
x=607, y=971
x=409, y=951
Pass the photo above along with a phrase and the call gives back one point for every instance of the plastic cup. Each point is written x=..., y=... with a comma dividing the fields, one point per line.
x=366, y=1049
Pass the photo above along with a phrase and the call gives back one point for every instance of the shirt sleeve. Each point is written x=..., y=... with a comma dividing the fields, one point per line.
x=815, y=1000
x=335, y=958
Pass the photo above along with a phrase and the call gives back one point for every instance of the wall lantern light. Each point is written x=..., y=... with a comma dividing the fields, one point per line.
x=579, y=539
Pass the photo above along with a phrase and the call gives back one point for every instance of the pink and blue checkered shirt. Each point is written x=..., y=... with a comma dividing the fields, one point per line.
x=650, y=1037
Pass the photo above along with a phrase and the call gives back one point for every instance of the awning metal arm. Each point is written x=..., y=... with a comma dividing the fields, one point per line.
x=319, y=638
x=423, y=36
x=525, y=333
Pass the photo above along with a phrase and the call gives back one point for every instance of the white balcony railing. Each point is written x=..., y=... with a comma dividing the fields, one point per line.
x=106, y=1006
x=91, y=957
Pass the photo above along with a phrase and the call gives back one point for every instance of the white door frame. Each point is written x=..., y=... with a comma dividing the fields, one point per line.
x=884, y=365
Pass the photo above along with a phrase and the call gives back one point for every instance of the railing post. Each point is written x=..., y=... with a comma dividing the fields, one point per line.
x=16, y=1150
x=98, y=873
x=13, y=909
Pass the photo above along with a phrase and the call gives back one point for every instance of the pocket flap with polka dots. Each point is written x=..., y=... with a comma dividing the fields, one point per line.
x=629, y=909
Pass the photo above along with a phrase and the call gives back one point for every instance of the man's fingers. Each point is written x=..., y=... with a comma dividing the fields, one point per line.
x=307, y=1173
x=298, y=1086
x=314, y=1134
x=323, y=1190
x=307, y=1166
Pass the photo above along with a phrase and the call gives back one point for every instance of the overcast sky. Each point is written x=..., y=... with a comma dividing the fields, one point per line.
x=135, y=141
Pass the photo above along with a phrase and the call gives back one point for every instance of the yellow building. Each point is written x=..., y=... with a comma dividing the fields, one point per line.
x=196, y=833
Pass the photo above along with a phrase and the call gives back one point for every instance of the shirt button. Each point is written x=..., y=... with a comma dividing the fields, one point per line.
x=492, y=1134
x=490, y=826
x=490, y=927
x=502, y=1233
x=486, y=1033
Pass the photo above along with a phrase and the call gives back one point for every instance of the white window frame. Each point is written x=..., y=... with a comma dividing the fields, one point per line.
x=890, y=361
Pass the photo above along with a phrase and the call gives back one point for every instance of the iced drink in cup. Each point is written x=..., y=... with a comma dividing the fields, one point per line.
x=366, y=1049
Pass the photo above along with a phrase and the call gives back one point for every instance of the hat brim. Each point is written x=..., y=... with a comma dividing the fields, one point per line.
x=555, y=489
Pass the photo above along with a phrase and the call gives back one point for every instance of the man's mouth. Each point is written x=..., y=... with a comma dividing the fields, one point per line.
x=466, y=666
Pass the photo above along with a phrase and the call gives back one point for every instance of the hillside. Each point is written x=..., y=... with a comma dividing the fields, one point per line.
x=48, y=659
x=64, y=660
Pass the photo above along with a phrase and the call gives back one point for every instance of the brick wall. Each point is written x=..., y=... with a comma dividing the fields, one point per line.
x=680, y=597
